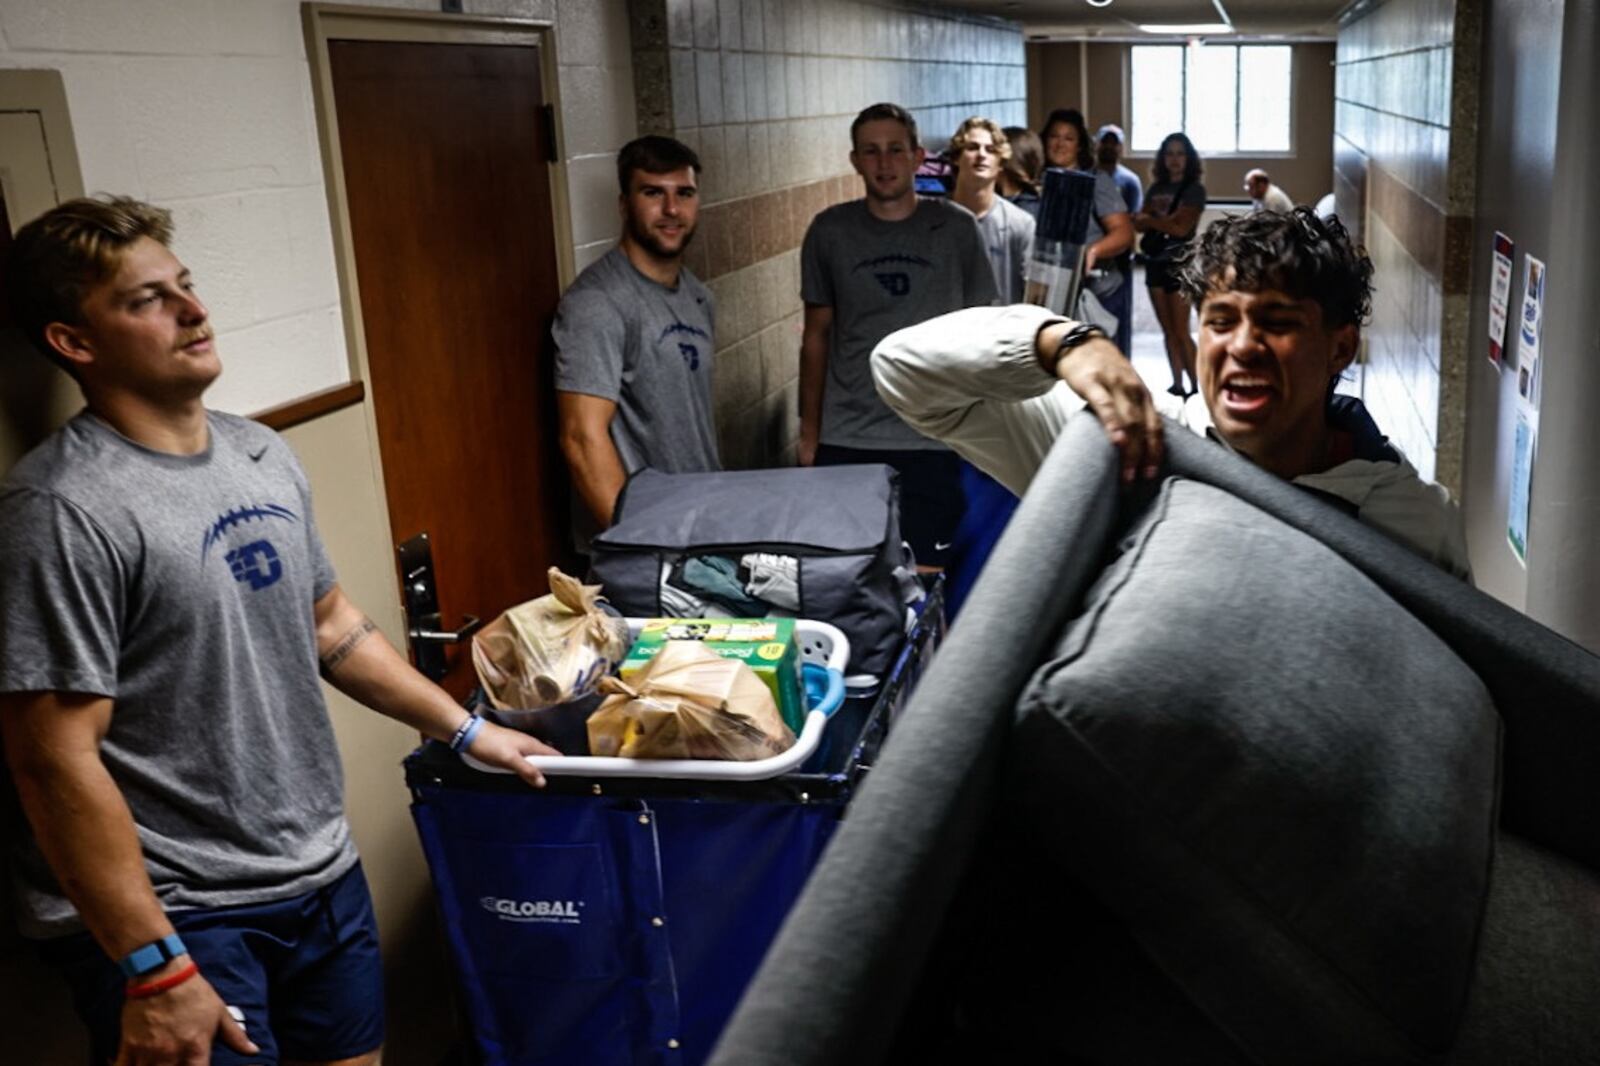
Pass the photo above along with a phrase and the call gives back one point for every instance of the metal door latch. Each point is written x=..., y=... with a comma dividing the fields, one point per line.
x=424, y=625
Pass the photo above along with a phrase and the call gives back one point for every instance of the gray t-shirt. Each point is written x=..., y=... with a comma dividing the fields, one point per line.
x=879, y=277
x=183, y=588
x=1107, y=201
x=648, y=348
x=1007, y=236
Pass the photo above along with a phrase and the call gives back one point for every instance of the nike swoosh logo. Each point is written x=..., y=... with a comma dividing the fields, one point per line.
x=942, y=545
x=255, y=456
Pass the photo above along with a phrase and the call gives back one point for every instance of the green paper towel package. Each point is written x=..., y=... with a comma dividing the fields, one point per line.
x=766, y=645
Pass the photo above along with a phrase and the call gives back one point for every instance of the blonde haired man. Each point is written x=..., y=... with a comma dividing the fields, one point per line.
x=979, y=151
x=165, y=608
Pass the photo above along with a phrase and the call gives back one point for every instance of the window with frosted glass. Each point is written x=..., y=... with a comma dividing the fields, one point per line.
x=1228, y=98
x=1157, y=95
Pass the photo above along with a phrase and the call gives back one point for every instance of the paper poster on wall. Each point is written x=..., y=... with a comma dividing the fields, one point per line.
x=1499, y=295
x=1521, y=486
x=1529, y=330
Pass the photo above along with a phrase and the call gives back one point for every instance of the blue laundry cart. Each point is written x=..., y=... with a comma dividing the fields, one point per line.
x=614, y=917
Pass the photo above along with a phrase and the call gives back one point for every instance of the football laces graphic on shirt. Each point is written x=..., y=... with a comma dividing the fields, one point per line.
x=237, y=516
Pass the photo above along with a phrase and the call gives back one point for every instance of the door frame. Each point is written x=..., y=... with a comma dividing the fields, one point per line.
x=44, y=92
x=325, y=22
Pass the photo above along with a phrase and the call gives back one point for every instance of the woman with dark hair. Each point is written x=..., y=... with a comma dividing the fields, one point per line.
x=1019, y=175
x=1067, y=145
x=1168, y=220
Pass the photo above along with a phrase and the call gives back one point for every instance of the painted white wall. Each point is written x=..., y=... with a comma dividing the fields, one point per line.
x=205, y=107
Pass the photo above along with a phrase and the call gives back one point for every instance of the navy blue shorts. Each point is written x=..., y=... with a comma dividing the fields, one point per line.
x=303, y=973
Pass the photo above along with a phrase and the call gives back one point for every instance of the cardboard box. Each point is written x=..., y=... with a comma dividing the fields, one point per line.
x=766, y=645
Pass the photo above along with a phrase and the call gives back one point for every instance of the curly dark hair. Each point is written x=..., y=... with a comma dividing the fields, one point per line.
x=1071, y=116
x=1296, y=253
x=1192, y=168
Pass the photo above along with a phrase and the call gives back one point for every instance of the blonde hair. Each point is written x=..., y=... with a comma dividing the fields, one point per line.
x=58, y=257
x=1002, y=146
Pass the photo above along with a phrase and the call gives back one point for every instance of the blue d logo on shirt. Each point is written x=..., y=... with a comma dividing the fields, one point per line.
x=257, y=563
x=894, y=284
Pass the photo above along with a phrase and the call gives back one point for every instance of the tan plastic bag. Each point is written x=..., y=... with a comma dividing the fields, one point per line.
x=549, y=650
x=689, y=703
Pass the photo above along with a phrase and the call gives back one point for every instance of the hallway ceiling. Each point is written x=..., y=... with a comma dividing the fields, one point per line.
x=1121, y=19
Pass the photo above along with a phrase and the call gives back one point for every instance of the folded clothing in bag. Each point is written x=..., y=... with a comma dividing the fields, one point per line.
x=823, y=540
x=549, y=650
x=689, y=703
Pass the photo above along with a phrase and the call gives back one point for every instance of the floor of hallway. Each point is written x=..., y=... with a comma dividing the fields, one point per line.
x=1149, y=350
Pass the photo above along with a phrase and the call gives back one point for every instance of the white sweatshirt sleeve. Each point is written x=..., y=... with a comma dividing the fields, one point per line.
x=972, y=380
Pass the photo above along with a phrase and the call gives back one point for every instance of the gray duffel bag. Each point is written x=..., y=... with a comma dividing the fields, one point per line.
x=841, y=524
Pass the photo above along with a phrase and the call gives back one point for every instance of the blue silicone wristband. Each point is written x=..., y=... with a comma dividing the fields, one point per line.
x=152, y=956
x=466, y=733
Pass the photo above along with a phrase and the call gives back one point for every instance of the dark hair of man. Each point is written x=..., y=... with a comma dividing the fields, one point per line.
x=1191, y=165
x=653, y=154
x=890, y=112
x=1297, y=254
x=58, y=257
x=1071, y=116
x=1027, y=157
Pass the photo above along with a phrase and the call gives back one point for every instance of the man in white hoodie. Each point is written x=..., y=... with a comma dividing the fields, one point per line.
x=1281, y=299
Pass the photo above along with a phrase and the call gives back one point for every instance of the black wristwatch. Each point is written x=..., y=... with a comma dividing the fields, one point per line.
x=1075, y=336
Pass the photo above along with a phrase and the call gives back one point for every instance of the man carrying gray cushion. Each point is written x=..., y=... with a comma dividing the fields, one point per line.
x=1281, y=300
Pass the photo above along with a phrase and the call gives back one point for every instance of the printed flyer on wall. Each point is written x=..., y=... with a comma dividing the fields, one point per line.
x=1521, y=484
x=1529, y=330
x=1499, y=295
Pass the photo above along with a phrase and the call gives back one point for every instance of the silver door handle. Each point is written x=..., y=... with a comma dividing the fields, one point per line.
x=470, y=624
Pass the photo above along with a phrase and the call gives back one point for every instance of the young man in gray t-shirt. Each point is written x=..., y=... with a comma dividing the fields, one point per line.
x=868, y=268
x=165, y=608
x=634, y=341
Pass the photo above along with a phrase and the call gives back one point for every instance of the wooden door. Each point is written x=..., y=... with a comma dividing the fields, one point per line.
x=444, y=150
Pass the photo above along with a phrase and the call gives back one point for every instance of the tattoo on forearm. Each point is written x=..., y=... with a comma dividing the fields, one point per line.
x=347, y=644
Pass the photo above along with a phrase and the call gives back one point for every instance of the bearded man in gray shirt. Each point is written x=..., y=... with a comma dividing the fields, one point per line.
x=868, y=268
x=165, y=607
x=634, y=340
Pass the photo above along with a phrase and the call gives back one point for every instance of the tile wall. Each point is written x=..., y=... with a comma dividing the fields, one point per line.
x=1405, y=148
x=764, y=91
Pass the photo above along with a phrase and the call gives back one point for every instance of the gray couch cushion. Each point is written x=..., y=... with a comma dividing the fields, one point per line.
x=1282, y=781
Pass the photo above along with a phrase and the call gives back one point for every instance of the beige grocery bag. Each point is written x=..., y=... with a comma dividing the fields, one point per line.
x=689, y=703
x=549, y=650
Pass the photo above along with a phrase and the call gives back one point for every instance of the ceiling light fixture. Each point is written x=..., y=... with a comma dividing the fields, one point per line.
x=1184, y=29
x=1098, y=3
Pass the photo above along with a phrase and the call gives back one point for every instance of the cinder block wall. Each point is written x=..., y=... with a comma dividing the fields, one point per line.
x=206, y=108
x=1405, y=162
x=764, y=91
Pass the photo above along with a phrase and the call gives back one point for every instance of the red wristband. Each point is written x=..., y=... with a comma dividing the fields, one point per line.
x=160, y=985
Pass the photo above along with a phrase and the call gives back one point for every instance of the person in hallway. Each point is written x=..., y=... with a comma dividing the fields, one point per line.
x=1167, y=223
x=869, y=267
x=1108, y=147
x=1111, y=233
x=1264, y=195
x=1008, y=234
x=634, y=341
x=980, y=151
x=1019, y=175
x=166, y=606
x=1282, y=299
